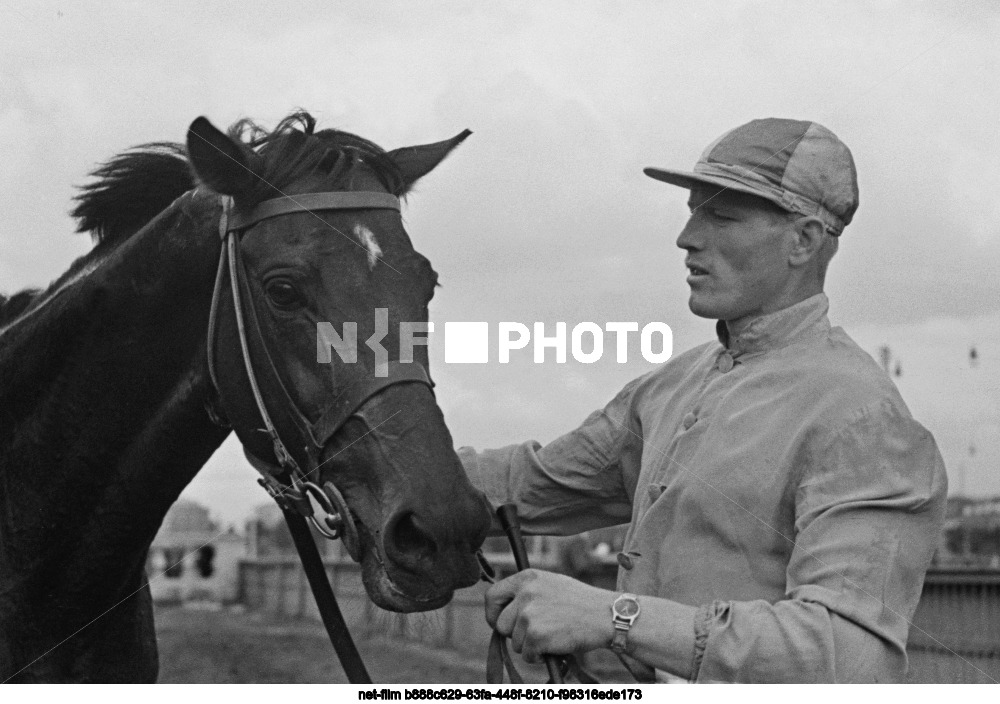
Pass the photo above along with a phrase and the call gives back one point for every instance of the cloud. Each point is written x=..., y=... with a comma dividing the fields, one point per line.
x=544, y=214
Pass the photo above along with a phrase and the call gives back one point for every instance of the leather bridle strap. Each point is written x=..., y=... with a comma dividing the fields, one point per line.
x=326, y=600
x=498, y=657
x=286, y=480
x=310, y=202
x=355, y=394
x=308, y=437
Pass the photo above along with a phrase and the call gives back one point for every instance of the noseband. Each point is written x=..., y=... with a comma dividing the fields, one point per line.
x=297, y=456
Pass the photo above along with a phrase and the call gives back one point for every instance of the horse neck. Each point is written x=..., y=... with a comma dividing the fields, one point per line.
x=104, y=422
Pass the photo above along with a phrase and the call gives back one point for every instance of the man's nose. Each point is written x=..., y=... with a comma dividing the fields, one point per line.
x=689, y=238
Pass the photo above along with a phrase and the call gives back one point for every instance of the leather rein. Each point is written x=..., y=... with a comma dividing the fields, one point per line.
x=298, y=445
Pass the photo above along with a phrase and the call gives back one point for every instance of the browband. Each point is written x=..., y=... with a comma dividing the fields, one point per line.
x=306, y=202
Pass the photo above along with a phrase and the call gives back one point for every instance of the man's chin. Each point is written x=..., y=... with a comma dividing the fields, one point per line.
x=704, y=309
x=714, y=309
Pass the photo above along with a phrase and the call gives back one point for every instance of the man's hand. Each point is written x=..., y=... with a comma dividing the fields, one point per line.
x=551, y=614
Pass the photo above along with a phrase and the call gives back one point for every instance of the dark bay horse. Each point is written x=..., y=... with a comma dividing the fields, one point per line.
x=108, y=407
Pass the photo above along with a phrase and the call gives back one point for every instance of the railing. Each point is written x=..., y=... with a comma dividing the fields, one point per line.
x=955, y=635
x=278, y=586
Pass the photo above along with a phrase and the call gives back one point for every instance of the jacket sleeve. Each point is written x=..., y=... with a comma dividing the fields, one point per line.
x=580, y=481
x=869, y=510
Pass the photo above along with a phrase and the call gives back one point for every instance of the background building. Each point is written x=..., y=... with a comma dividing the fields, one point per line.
x=192, y=559
x=971, y=533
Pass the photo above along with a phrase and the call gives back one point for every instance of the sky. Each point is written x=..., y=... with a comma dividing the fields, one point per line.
x=544, y=213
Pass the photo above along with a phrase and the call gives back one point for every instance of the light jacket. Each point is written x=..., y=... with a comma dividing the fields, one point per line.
x=775, y=479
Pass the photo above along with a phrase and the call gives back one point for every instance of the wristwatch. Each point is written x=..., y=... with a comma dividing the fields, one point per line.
x=624, y=611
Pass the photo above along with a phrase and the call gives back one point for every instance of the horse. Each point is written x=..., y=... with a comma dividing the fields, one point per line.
x=113, y=394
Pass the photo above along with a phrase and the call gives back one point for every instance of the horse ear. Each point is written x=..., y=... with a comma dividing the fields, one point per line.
x=418, y=161
x=218, y=161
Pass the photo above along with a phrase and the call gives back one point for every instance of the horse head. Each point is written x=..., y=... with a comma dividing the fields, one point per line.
x=316, y=355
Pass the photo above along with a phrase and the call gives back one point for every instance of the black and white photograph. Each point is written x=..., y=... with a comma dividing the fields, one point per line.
x=554, y=349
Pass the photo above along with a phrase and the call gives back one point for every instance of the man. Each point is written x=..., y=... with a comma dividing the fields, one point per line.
x=783, y=503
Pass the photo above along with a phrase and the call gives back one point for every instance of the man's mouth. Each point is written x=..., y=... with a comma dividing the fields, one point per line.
x=696, y=271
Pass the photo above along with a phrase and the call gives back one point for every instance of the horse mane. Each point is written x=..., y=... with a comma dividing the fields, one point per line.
x=133, y=187
x=295, y=150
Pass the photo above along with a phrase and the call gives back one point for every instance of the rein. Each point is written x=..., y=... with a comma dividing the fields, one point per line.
x=286, y=481
x=498, y=659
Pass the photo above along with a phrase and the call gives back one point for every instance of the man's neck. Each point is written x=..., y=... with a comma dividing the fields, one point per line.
x=776, y=305
x=757, y=332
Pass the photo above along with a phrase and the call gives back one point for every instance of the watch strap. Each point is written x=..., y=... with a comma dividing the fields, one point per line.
x=620, y=641
x=622, y=623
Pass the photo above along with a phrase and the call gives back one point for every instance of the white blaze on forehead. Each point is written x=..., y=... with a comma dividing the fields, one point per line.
x=367, y=238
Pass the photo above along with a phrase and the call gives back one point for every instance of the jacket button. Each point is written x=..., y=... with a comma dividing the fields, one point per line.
x=725, y=362
x=689, y=420
x=625, y=561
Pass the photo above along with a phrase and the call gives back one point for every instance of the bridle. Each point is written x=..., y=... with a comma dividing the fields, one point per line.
x=297, y=442
x=303, y=441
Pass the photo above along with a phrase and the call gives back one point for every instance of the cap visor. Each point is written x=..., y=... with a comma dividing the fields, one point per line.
x=689, y=180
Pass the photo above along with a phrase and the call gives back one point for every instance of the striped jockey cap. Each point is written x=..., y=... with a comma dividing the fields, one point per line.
x=800, y=166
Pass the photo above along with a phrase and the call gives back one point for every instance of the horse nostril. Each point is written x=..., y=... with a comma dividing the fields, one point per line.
x=410, y=540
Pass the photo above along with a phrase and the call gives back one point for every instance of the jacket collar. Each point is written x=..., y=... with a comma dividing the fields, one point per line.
x=767, y=332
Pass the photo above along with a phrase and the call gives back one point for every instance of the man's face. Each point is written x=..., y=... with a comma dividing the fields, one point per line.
x=738, y=247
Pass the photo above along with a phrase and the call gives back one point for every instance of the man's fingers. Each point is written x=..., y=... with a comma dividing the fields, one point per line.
x=498, y=596
x=519, y=631
x=507, y=619
x=519, y=606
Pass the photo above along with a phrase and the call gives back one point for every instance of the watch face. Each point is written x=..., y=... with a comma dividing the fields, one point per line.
x=626, y=608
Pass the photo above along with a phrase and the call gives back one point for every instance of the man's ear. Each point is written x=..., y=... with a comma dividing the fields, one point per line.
x=418, y=161
x=810, y=236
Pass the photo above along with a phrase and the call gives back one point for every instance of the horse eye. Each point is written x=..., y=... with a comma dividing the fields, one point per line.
x=283, y=294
